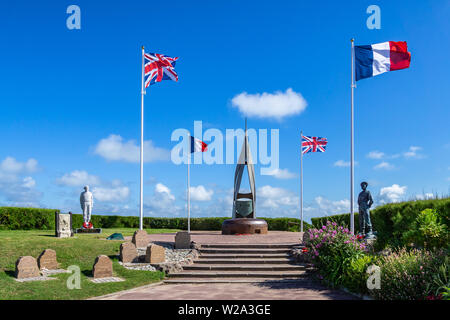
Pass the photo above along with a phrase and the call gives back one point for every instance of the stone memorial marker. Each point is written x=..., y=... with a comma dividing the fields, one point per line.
x=155, y=254
x=27, y=267
x=102, y=267
x=47, y=260
x=140, y=239
x=63, y=225
x=182, y=240
x=128, y=252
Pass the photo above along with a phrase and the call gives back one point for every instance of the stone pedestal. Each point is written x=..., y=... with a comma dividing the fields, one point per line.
x=140, y=239
x=47, y=260
x=155, y=254
x=89, y=231
x=182, y=240
x=102, y=267
x=27, y=267
x=244, y=226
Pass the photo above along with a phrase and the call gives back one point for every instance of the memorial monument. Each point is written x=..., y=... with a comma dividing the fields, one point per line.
x=365, y=201
x=86, y=203
x=63, y=225
x=244, y=218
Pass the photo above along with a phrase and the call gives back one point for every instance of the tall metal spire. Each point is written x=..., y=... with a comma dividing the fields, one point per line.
x=245, y=140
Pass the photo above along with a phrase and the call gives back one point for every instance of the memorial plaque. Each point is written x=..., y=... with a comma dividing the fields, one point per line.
x=182, y=240
x=128, y=252
x=26, y=267
x=47, y=260
x=155, y=254
x=140, y=239
x=102, y=267
x=63, y=225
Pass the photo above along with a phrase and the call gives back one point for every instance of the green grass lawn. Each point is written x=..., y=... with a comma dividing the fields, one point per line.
x=80, y=250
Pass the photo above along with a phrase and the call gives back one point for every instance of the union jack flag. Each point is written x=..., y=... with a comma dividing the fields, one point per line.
x=313, y=144
x=158, y=67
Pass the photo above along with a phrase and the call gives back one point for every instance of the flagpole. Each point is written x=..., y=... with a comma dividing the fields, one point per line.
x=141, y=202
x=188, y=190
x=352, y=215
x=301, y=182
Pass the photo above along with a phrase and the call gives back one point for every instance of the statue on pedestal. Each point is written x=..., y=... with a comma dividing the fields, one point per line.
x=87, y=202
x=365, y=201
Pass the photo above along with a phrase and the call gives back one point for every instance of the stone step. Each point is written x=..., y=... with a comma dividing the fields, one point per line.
x=241, y=267
x=244, y=250
x=250, y=245
x=236, y=280
x=244, y=261
x=243, y=255
x=238, y=274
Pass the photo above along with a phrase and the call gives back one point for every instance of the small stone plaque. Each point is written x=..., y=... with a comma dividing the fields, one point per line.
x=182, y=240
x=155, y=254
x=27, y=267
x=47, y=260
x=128, y=252
x=102, y=267
x=140, y=239
x=89, y=231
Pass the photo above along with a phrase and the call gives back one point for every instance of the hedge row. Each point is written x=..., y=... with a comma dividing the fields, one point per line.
x=30, y=218
x=392, y=219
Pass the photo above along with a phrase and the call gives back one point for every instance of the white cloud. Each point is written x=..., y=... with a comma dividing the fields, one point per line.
x=200, y=193
x=384, y=165
x=282, y=174
x=114, y=148
x=413, y=152
x=329, y=207
x=274, y=197
x=342, y=163
x=424, y=196
x=393, y=193
x=113, y=194
x=270, y=105
x=16, y=189
x=164, y=190
x=376, y=155
x=162, y=202
x=28, y=182
x=78, y=178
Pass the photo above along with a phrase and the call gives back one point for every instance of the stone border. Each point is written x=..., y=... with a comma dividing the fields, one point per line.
x=106, y=280
x=40, y=278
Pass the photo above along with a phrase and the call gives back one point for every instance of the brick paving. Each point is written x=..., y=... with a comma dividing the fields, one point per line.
x=279, y=290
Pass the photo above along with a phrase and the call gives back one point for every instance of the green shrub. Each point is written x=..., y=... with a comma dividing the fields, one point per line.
x=409, y=274
x=12, y=218
x=427, y=231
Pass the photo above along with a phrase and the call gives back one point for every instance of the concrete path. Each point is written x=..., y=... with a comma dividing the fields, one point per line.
x=282, y=290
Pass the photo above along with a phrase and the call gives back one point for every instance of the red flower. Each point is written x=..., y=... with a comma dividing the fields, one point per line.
x=304, y=250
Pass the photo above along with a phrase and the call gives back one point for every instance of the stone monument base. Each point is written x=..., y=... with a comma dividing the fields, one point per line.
x=93, y=230
x=244, y=226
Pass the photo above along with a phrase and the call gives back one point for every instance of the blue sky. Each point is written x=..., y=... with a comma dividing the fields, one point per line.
x=64, y=93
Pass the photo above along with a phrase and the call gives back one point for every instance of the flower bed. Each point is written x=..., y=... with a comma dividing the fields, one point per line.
x=341, y=260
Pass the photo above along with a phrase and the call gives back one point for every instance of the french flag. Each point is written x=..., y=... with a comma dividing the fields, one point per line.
x=198, y=145
x=372, y=60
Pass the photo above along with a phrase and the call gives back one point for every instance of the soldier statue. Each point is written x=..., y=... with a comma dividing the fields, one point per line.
x=365, y=201
x=87, y=202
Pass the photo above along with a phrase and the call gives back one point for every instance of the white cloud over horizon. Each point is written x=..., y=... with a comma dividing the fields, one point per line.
x=394, y=193
x=384, y=165
x=281, y=174
x=115, y=148
x=276, y=105
x=78, y=178
x=200, y=193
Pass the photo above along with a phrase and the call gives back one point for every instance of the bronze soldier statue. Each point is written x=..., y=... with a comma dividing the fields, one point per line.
x=365, y=201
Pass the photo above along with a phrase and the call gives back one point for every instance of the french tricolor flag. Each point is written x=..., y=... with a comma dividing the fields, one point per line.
x=198, y=145
x=372, y=60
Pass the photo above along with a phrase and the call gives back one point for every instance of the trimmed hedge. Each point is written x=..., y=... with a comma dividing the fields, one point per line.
x=391, y=220
x=29, y=218
x=12, y=218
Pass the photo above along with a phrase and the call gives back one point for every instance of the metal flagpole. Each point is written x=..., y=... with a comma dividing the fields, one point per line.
x=188, y=188
x=141, y=203
x=352, y=215
x=301, y=182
